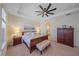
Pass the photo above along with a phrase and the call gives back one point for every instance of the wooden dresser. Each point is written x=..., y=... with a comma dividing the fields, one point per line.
x=65, y=36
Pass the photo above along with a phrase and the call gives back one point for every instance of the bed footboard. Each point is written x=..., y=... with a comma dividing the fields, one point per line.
x=37, y=40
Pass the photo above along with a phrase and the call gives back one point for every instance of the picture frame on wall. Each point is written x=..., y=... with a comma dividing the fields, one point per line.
x=63, y=26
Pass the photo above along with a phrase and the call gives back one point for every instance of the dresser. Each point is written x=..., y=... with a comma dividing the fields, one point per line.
x=65, y=36
x=17, y=40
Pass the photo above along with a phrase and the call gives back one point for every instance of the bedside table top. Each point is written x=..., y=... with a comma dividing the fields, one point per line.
x=17, y=36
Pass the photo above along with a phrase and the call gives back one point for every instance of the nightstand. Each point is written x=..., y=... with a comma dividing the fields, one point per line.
x=17, y=40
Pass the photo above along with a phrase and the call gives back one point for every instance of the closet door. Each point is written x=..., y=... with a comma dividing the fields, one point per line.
x=60, y=35
x=69, y=37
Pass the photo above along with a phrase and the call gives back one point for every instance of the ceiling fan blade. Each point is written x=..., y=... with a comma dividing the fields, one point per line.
x=52, y=9
x=41, y=7
x=50, y=13
x=48, y=6
x=47, y=15
x=38, y=14
x=39, y=11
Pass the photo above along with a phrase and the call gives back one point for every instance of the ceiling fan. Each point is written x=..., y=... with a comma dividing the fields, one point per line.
x=46, y=11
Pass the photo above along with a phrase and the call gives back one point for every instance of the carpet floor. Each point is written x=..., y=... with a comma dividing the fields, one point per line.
x=55, y=49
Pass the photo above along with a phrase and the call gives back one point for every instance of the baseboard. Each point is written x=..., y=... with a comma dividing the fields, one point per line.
x=54, y=39
x=76, y=46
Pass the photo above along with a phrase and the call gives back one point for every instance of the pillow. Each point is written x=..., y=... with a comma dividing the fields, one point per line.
x=26, y=37
x=25, y=34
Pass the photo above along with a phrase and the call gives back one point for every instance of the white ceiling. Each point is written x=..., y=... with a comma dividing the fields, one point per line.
x=27, y=10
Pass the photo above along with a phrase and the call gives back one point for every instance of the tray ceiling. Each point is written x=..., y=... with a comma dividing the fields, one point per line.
x=27, y=10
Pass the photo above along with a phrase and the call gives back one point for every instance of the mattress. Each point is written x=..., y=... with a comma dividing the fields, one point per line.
x=28, y=38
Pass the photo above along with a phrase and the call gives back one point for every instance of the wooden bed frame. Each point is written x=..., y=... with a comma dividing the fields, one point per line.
x=35, y=41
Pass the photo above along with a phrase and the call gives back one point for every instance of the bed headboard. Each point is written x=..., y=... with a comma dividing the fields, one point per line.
x=27, y=29
x=28, y=32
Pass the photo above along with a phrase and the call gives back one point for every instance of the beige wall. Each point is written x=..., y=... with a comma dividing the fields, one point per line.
x=43, y=27
x=71, y=20
x=15, y=21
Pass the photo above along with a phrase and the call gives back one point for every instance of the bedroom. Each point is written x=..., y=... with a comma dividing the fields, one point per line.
x=22, y=19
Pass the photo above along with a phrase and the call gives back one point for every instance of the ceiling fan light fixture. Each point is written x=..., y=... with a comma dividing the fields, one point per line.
x=46, y=11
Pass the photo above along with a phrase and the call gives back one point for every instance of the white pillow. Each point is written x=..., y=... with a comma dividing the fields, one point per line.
x=25, y=34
